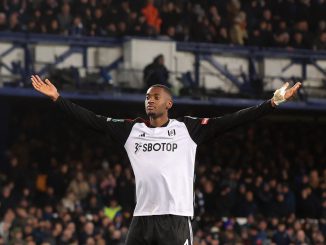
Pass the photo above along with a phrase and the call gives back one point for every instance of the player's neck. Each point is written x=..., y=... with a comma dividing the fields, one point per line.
x=159, y=121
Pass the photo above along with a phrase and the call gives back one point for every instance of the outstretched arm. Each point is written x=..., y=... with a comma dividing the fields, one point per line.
x=83, y=115
x=202, y=129
x=281, y=95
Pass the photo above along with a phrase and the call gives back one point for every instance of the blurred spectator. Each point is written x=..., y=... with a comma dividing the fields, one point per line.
x=320, y=43
x=77, y=28
x=87, y=233
x=112, y=210
x=79, y=186
x=65, y=18
x=14, y=24
x=282, y=40
x=152, y=16
x=209, y=196
x=58, y=179
x=281, y=237
x=233, y=10
x=238, y=32
x=126, y=195
x=303, y=27
x=255, y=39
x=122, y=29
x=93, y=204
x=98, y=23
x=111, y=30
x=3, y=22
x=267, y=17
x=170, y=16
x=279, y=208
x=156, y=72
x=223, y=36
x=321, y=26
x=69, y=202
x=171, y=33
x=68, y=236
x=248, y=207
x=35, y=23
x=49, y=10
x=301, y=238
x=289, y=199
x=297, y=41
x=18, y=6
x=54, y=27
x=266, y=34
x=308, y=204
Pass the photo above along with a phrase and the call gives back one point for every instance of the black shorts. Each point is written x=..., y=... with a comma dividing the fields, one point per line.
x=160, y=230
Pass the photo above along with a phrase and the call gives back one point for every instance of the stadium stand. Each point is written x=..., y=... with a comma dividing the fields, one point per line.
x=264, y=23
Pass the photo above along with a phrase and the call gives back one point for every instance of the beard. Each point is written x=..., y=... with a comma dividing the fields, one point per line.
x=154, y=114
x=151, y=114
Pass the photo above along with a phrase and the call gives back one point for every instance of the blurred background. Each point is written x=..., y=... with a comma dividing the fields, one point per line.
x=263, y=183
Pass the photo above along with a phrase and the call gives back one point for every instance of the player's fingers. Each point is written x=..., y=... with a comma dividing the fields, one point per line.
x=47, y=81
x=297, y=86
x=36, y=80
x=285, y=85
x=32, y=78
x=39, y=79
x=292, y=92
x=35, y=86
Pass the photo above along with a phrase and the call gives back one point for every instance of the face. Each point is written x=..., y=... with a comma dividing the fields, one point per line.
x=161, y=60
x=323, y=37
x=66, y=8
x=157, y=102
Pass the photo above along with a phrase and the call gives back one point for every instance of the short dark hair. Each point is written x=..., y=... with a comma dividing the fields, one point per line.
x=165, y=88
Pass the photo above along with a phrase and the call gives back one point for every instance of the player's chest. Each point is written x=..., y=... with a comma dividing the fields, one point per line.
x=164, y=134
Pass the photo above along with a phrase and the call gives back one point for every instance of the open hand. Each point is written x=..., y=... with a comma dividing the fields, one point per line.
x=281, y=95
x=46, y=87
x=291, y=92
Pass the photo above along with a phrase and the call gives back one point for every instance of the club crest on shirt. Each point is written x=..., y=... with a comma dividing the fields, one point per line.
x=171, y=132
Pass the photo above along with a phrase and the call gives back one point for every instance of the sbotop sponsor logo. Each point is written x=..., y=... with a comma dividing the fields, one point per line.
x=148, y=147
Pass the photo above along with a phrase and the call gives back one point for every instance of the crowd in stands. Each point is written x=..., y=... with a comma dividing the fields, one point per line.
x=264, y=183
x=262, y=23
